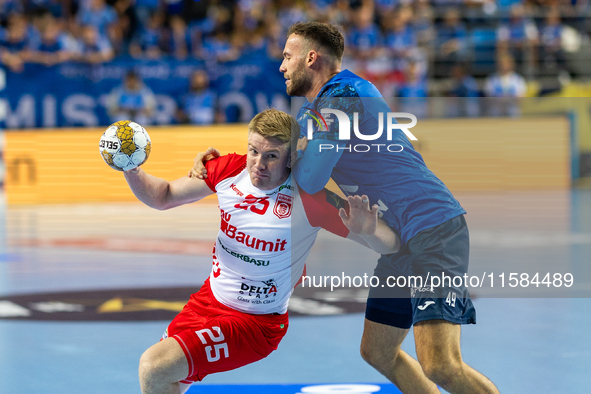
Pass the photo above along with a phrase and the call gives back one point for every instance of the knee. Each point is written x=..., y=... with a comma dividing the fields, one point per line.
x=366, y=352
x=378, y=357
x=149, y=369
x=442, y=370
x=162, y=365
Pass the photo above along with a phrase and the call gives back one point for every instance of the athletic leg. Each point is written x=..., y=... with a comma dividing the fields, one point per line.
x=380, y=348
x=162, y=366
x=438, y=350
x=388, y=318
x=438, y=310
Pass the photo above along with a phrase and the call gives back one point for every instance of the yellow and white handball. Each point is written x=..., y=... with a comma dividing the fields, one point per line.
x=125, y=145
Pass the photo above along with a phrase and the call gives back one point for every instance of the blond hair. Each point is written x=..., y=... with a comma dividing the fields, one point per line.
x=275, y=124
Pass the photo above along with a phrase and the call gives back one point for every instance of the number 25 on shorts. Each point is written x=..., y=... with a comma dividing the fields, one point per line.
x=213, y=353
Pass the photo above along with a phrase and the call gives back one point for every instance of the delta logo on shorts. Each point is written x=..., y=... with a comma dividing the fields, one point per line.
x=282, y=207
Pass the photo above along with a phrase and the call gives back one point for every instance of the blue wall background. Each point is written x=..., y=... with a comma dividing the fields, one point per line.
x=75, y=94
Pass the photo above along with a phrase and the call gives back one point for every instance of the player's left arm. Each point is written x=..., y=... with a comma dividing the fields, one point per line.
x=160, y=194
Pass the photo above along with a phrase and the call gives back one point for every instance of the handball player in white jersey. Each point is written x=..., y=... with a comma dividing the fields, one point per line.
x=239, y=315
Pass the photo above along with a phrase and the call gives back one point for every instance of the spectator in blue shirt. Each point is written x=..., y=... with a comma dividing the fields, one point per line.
x=144, y=9
x=94, y=48
x=150, y=41
x=100, y=15
x=16, y=37
x=247, y=14
x=15, y=43
x=257, y=42
x=412, y=93
x=132, y=100
x=179, y=40
x=507, y=86
x=464, y=85
x=275, y=38
x=55, y=46
x=519, y=37
x=203, y=24
x=505, y=82
x=199, y=105
x=218, y=47
x=422, y=23
x=451, y=40
x=552, y=54
x=401, y=41
x=8, y=7
x=289, y=13
x=364, y=39
x=463, y=95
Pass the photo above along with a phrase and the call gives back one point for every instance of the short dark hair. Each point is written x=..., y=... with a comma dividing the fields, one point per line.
x=132, y=74
x=325, y=35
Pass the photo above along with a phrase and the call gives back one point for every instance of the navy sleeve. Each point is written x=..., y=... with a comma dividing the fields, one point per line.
x=312, y=171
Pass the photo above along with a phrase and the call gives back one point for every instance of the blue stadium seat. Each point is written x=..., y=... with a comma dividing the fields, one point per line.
x=483, y=43
x=506, y=4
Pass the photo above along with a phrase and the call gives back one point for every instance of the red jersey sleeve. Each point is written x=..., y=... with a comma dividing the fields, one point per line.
x=222, y=168
x=322, y=210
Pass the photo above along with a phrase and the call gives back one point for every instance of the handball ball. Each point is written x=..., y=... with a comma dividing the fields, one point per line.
x=125, y=145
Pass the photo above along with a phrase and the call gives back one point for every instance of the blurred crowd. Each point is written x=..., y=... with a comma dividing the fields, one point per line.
x=401, y=45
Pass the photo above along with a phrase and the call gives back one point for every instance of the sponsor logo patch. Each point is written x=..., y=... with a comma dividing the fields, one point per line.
x=282, y=207
x=244, y=257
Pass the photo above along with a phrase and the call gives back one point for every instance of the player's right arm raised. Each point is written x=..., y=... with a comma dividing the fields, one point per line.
x=161, y=194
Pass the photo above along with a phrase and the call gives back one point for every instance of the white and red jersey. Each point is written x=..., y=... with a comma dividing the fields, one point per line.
x=265, y=236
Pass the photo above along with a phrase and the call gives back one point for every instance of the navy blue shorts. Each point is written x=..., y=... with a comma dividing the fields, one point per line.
x=441, y=252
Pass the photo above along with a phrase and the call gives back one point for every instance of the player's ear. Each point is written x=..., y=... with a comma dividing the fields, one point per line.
x=312, y=58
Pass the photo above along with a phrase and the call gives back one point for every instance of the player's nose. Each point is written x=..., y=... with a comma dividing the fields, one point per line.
x=282, y=68
x=259, y=163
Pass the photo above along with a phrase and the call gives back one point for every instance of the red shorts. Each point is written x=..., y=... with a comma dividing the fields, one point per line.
x=216, y=338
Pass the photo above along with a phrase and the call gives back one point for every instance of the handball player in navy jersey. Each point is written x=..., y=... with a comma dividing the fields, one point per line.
x=412, y=200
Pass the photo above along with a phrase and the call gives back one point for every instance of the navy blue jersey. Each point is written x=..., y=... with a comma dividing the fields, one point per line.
x=391, y=173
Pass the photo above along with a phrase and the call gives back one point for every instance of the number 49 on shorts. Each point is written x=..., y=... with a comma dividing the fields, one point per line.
x=451, y=299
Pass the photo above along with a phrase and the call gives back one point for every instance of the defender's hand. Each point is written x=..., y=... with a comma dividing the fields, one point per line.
x=361, y=219
x=199, y=171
